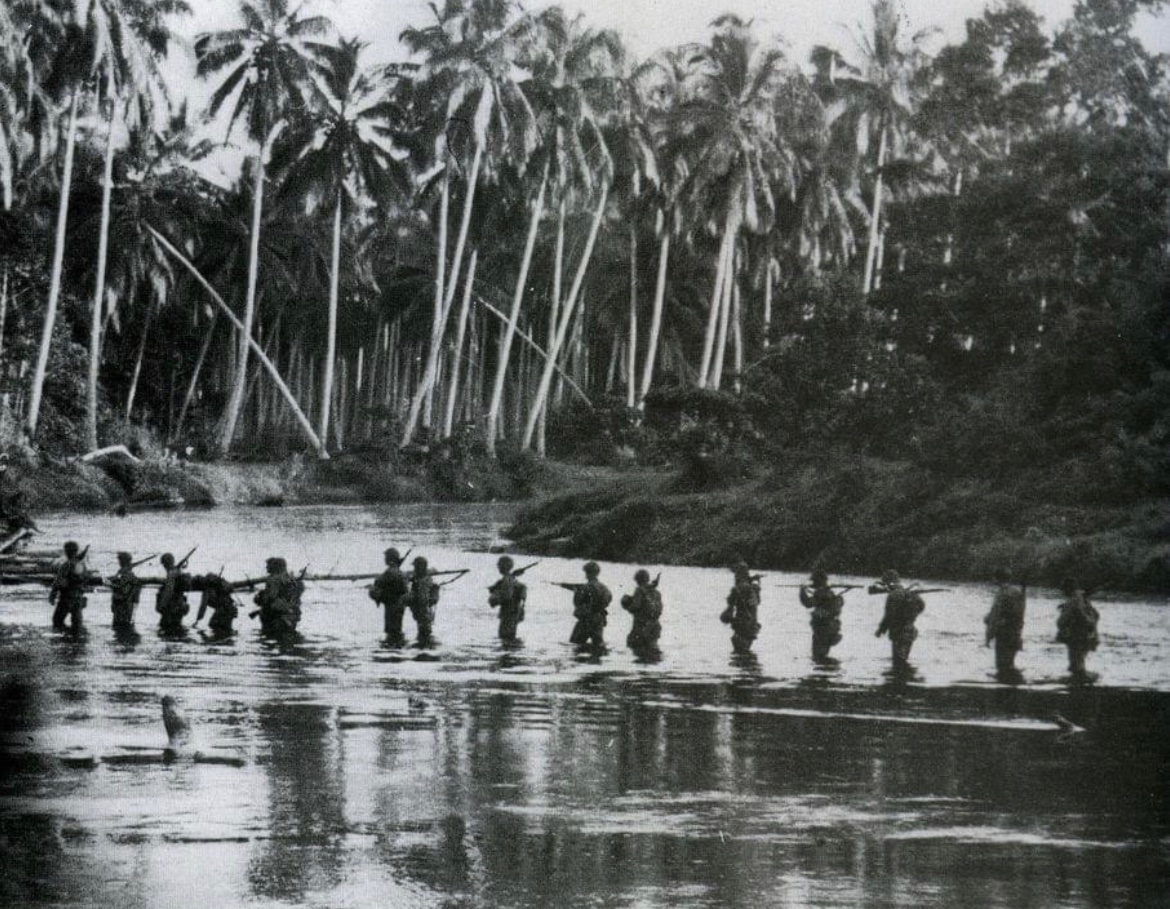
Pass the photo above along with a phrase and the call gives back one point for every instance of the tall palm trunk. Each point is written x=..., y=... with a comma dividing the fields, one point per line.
x=566, y=317
x=655, y=319
x=875, y=215
x=302, y=420
x=422, y=391
x=99, y=291
x=493, y=415
x=464, y=226
x=38, y=380
x=331, y=338
x=236, y=399
x=715, y=379
x=632, y=369
x=768, y=277
x=460, y=335
x=553, y=317
x=737, y=336
x=721, y=266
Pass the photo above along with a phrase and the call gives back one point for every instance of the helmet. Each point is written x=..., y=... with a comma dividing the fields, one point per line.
x=819, y=578
x=167, y=560
x=420, y=562
x=505, y=563
x=889, y=576
x=592, y=569
x=275, y=565
x=124, y=558
x=392, y=553
x=641, y=576
x=71, y=549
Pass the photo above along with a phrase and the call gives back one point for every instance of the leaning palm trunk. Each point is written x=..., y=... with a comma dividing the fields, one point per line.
x=566, y=316
x=460, y=334
x=99, y=291
x=236, y=399
x=38, y=381
x=875, y=217
x=422, y=391
x=133, y=392
x=553, y=316
x=655, y=320
x=331, y=339
x=715, y=379
x=302, y=420
x=722, y=264
x=493, y=415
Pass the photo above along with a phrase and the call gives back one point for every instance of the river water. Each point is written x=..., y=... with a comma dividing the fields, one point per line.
x=348, y=774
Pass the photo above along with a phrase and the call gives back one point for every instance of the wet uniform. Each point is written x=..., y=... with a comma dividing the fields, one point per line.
x=510, y=595
x=389, y=591
x=423, y=599
x=68, y=592
x=1005, y=626
x=217, y=596
x=902, y=609
x=280, y=604
x=645, y=605
x=590, y=606
x=171, y=601
x=1076, y=628
x=125, y=590
x=742, y=613
x=825, y=620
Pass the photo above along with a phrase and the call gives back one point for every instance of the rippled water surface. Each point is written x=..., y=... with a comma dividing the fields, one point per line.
x=336, y=772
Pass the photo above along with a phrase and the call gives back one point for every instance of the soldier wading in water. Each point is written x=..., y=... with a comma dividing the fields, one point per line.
x=590, y=606
x=743, y=609
x=423, y=599
x=645, y=605
x=1005, y=625
x=125, y=589
x=825, y=604
x=902, y=609
x=1076, y=627
x=509, y=594
x=67, y=594
x=389, y=591
x=171, y=600
x=279, y=600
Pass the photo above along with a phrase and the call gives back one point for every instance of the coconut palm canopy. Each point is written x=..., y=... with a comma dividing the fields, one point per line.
x=506, y=217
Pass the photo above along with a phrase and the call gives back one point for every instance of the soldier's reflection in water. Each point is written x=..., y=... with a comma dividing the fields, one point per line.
x=306, y=849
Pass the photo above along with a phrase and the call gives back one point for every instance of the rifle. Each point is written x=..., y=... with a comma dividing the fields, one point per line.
x=458, y=574
x=149, y=558
x=875, y=589
x=406, y=555
x=830, y=586
x=187, y=558
x=654, y=583
x=572, y=586
x=514, y=573
x=84, y=552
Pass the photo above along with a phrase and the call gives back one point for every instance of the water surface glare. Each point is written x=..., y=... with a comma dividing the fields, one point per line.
x=338, y=772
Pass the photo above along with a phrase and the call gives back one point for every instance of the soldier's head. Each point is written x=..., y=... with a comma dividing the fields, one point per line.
x=505, y=564
x=71, y=549
x=740, y=570
x=890, y=577
x=420, y=565
x=125, y=559
x=641, y=576
x=392, y=557
x=275, y=565
x=168, y=560
x=1069, y=585
x=819, y=578
x=592, y=569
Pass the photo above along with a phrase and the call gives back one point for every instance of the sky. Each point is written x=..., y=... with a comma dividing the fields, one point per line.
x=646, y=25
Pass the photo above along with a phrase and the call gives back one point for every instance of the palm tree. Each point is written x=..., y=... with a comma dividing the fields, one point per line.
x=134, y=34
x=269, y=62
x=343, y=152
x=574, y=81
x=878, y=95
x=470, y=81
x=725, y=141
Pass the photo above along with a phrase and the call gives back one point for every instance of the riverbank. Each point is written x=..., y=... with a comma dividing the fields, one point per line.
x=857, y=518
x=122, y=483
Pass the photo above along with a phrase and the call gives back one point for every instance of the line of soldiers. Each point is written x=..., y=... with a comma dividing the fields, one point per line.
x=418, y=591
x=278, y=600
